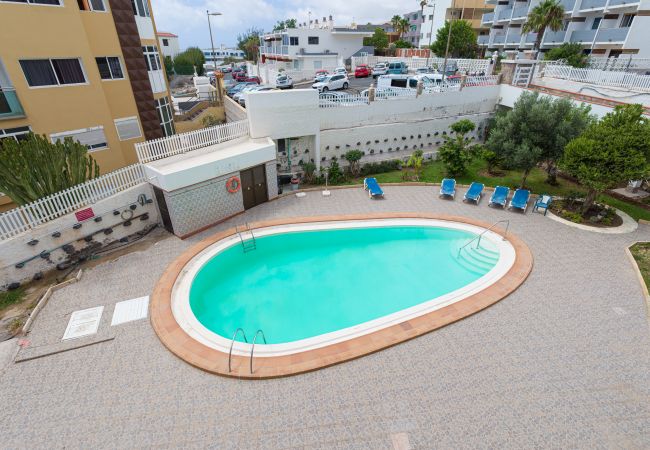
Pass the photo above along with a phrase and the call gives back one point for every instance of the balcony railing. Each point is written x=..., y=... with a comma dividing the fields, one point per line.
x=592, y=4
x=531, y=38
x=583, y=36
x=612, y=34
x=487, y=18
x=554, y=37
x=505, y=14
x=568, y=5
x=513, y=38
x=10, y=106
x=483, y=40
x=520, y=12
x=499, y=39
x=275, y=50
x=623, y=2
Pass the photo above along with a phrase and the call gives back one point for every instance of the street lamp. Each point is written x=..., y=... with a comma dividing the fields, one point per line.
x=214, y=56
x=433, y=13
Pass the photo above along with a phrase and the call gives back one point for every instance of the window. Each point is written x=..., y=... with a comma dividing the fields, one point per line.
x=165, y=116
x=312, y=40
x=91, y=5
x=17, y=134
x=93, y=138
x=596, y=22
x=626, y=22
x=165, y=42
x=35, y=2
x=128, y=128
x=52, y=72
x=151, y=57
x=140, y=8
x=293, y=40
x=109, y=68
x=430, y=16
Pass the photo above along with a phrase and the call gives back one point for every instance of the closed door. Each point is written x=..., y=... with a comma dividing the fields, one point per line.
x=259, y=179
x=248, y=188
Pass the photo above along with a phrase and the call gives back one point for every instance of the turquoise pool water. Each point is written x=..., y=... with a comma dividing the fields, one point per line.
x=303, y=284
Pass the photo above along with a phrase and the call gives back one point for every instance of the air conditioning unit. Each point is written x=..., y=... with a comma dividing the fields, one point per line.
x=301, y=51
x=327, y=52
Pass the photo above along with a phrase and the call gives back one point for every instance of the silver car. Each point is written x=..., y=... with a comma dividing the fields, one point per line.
x=284, y=82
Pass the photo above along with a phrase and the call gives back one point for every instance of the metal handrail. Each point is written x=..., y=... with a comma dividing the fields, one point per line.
x=253, y=348
x=233, y=343
x=480, y=235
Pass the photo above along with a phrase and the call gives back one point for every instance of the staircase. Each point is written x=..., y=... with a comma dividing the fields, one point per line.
x=478, y=260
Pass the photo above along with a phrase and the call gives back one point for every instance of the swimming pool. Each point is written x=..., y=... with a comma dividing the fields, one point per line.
x=315, y=284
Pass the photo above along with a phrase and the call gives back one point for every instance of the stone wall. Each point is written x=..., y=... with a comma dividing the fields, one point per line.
x=65, y=240
x=272, y=179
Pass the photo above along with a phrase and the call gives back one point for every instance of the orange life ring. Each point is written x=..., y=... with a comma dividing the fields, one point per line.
x=233, y=184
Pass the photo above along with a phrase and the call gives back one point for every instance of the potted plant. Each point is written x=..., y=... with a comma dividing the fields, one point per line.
x=295, y=183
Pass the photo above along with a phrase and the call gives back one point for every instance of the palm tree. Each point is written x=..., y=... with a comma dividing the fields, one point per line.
x=404, y=26
x=548, y=14
x=395, y=21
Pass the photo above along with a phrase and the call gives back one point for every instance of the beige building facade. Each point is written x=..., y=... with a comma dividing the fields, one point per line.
x=87, y=69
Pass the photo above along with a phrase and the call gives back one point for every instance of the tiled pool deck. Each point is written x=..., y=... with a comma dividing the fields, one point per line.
x=562, y=362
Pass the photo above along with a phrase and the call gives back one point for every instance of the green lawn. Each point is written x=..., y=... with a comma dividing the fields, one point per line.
x=10, y=298
x=434, y=171
x=641, y=253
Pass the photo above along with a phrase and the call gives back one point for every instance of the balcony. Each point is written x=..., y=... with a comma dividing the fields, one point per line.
x=530, y=38
x=498, y=39
x=504, y=14
x=275, y=50
x=520, y=12
x=10, y=107
x=554, y=37
x=568, y=5
x=513, y=38
x=487, y=18
x=592, y=4
x=613, y=35
x=483, y=39
x=583, y=36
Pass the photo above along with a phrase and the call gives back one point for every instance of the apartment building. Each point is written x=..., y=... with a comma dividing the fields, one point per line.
x=168, y=44
x=605, y=28
x=313, y=46
x=438, y=11
x=412, y=36
x=86, y=69
x=220, y=54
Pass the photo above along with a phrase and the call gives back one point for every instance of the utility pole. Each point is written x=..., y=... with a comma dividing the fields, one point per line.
x=214, y=55
x=451, y=21
x=433, y=13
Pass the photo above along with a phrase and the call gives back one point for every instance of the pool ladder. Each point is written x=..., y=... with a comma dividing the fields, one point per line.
x=232, y=343
x=248, y=244
x=480, y=235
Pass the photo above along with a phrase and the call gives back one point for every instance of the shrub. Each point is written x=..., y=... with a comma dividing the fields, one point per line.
x=353, y=157
x=309, y=170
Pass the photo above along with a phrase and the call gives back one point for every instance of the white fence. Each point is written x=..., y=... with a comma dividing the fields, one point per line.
x=621, y=63
x=629, y=80
x=488, y=80
x=28, y=216
x=470, y=66
x=185, y=142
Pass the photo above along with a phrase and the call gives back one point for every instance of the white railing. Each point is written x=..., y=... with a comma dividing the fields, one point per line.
x=186, y=142
x=629, y=80
x=620, y=63
x=469, y=66
x=335, y=100
x=26, y=217
x=488, y=80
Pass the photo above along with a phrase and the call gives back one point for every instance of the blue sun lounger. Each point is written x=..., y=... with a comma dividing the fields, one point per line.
x=475, y=192
x=543, y=201
x=520, y=200
x=371, y=185
x=448, y=187
x=499, y=196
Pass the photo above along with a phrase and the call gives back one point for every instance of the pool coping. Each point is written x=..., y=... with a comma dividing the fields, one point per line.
x=193, y=352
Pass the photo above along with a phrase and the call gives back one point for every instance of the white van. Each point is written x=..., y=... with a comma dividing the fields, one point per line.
x=408, y=81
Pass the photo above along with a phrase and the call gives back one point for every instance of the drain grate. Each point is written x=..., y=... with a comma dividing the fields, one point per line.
x=130, y=310
x=83, y=323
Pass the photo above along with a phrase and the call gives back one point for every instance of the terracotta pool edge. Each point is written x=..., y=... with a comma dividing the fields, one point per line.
x=191, y=351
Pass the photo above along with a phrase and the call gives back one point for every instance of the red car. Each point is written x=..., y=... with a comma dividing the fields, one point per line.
x=253, y=80
x=240, y=76
x=362, y=71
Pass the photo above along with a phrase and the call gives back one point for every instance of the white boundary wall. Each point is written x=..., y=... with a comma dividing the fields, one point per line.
x=464, y=65
x=627, y=80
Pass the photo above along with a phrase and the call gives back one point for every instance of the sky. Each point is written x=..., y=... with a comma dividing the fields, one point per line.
x=187, y=18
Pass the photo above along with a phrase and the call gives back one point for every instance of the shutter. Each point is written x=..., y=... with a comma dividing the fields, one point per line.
x=128, y=128
x=93, y=138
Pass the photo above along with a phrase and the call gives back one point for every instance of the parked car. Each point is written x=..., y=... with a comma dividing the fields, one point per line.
x=332, y=83
x=362, y=71
x=240, y=76
x=226, y=69
x=320, y=75
x=284, y=82
x=341, y=70
x=379, y=69
x=397, y=68
x=242, y=97
x=248, y=88
x=253, y=79
x=237, y=88
x=425, y=70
